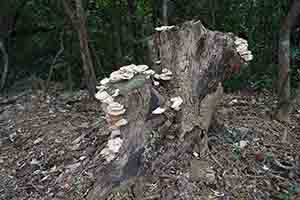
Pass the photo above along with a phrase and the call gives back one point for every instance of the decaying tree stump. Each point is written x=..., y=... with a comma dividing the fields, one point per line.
x=199, y=60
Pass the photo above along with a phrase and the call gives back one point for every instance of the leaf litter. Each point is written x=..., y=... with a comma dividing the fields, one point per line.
x=51, y=146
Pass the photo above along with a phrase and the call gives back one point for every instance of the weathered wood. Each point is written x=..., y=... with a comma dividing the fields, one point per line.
x=199, y=59
x=136, y=96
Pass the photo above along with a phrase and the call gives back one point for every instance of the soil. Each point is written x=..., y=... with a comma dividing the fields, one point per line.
x=50, y=149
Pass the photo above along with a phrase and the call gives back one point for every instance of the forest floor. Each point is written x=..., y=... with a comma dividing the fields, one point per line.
x=50, y=148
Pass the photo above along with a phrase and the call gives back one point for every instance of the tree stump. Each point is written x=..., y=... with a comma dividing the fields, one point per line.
x=199, y=61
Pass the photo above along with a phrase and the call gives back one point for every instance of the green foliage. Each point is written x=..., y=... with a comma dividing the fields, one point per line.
x=293, y=191
x=236, y=152
x=117, y=34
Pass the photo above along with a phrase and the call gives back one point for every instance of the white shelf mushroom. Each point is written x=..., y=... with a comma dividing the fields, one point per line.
x=248, y=57
x=164, y=28
x=116, y=93
x=121, y=122
x=242, y=48
x=149, y=72
x=158, y=111
x=156, y=83
x=166, y=71
x=113, y=147
x=165, y=77
x=115, y=133
x=104, y=97
x=239, y=41
x=156, y=76
x=101, y=88
x=128, y=68
x=104, y=81
x=115, y=144
x=115, y=109
x=177, y=101
x=140, y=68
x=121, y=75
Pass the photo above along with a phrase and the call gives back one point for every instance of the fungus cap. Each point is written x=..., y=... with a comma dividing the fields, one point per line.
x=104, y=97
x=158, y=111
x=116, y=93
x=165, y=77
x=115, y=109
x=149, y=72
x=164, y=28
x=104, y=81
x=140, y=68
x=177, y=101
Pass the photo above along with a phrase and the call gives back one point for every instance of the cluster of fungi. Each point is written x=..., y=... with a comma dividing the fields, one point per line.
x=180, y=91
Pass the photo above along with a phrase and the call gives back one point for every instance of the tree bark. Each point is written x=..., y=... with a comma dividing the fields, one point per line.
x=79, y=23
x=165, y=12
x=5, y=65
x=285, y=104
x=200, y=60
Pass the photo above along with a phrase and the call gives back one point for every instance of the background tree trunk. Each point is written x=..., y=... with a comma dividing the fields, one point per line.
x=165, y=12
x=5, y=65
x=79, y=22
x=199, y=59
x=285, y=104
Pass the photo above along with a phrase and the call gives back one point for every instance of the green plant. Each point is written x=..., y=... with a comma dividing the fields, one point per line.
x=292, y=192
x=236, y=151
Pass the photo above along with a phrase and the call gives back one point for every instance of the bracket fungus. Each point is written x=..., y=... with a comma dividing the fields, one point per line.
x=114, y=112
x=128, y=68
x=104, y=81
x=121, y=122
x=165, y=75
x=177, y=101
x=149, y=72
x=164, y=28
x=101, y=88
x=116, y=93
x=156, y=83
x=241, y=46
x=158, y=111
x=115, y=109
x=121, y=75
x=140, y=68
x=112, y=148
x=156, y=76
x=104, y=97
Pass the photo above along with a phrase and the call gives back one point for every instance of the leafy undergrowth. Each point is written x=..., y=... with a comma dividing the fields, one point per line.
x=50, y=149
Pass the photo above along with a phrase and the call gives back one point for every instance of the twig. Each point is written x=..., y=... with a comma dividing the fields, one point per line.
x=62, y=48
x=285, y=135
x=216, y=161
x=155, y=196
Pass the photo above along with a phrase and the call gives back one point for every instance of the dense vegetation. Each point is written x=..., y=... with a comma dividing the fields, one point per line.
x=34, y=31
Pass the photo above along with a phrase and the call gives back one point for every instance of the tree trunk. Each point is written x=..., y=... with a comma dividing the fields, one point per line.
x=165, y=12
x=116, y=28
x=5, y=65
x=79, y=23
x=199, y=60
x=285, y=104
